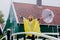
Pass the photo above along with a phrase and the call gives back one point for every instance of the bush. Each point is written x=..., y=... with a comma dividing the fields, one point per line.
x=1, y=36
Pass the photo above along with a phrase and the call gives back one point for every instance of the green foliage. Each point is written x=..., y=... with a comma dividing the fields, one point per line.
x=1, y=18
x=1, y=36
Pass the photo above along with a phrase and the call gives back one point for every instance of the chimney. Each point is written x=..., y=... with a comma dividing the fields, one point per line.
x=39, y=2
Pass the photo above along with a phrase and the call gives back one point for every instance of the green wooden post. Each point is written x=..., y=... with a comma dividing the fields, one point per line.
x=8, y=34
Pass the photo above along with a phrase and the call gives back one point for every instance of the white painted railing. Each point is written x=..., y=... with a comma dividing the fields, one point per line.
x=4, y=37
x=35, y=33
x=38, y=34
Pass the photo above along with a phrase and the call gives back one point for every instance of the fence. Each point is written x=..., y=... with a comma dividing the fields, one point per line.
x=10, y=37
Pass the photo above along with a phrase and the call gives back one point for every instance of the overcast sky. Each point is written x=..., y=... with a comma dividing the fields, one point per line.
x=5, y=4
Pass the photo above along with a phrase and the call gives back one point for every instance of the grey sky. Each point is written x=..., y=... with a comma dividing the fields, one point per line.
x=51, y=2
x=26, y=1
x=4, y=7
x=5, y=4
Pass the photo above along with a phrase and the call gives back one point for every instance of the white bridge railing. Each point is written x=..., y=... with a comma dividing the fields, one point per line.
x=34, y=33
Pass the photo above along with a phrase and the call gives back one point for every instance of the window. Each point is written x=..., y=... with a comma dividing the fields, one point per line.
x=48, y=15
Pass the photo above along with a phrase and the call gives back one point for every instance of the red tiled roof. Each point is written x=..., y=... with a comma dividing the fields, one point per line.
x=30, y=9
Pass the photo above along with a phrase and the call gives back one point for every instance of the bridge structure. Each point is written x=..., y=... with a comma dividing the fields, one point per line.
x=15, y=36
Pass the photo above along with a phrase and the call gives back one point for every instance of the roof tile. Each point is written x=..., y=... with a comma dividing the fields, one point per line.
x=30, y=9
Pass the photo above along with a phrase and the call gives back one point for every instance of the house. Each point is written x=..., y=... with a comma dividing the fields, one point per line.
x=15, y=23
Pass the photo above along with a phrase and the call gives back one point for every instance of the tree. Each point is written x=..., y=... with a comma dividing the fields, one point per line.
x=1, y=18
x=1, y=22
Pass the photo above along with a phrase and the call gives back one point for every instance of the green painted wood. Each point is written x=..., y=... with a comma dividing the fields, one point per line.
x=21, y=29
x=44, y=28
x=50, y=29
x=11, y=24
x=54, y=28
